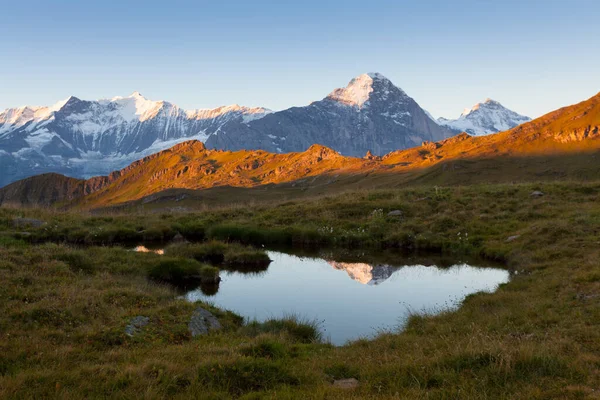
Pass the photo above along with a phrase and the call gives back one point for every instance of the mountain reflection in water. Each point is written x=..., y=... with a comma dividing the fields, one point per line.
x=376, y=297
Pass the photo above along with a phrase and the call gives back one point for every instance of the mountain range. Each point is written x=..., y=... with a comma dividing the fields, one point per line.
x=81, y=138
x=484, y=118
x=564, y=143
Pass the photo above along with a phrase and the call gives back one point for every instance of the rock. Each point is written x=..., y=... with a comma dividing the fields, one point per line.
x=370, y=156
x=24, y=222
x=431, y=146
x=395, y=213
x=537, y=193
x=350, y=383
x=512, y=238
x=136, y=324
x=178, y=238
x=202, y=322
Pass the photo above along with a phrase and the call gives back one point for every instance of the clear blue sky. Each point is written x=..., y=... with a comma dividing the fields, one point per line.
x=532, y=55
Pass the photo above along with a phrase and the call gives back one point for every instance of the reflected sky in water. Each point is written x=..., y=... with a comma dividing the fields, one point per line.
x=351, y=300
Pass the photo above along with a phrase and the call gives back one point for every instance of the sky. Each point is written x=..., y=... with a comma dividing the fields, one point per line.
x=533, y=56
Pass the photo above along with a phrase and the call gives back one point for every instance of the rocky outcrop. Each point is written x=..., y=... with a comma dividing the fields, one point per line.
x=203, y=322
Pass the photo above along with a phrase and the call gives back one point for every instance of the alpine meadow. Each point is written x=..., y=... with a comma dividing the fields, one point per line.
x=350, y=247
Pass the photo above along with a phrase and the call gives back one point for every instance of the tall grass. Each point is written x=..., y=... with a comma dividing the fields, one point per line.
x=302, y=330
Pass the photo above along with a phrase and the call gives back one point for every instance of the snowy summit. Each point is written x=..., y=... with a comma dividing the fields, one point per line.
x=359, y=90
x=485, y=118
x=82, y=138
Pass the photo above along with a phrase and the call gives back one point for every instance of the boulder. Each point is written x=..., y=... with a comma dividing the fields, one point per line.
x=537, y=193
x=395, y=213
x=178, y=238
x=202, y=322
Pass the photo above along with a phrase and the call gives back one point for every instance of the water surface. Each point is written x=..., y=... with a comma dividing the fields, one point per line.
x=350, y=300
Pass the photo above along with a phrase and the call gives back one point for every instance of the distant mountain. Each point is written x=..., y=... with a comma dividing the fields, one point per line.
x=485, y=118
x=562, y=144
x=83, y=138
x=86, y=138
x=370, y=114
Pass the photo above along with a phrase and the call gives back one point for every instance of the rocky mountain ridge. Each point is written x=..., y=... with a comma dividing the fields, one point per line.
x=83, y=138
x=570, y=131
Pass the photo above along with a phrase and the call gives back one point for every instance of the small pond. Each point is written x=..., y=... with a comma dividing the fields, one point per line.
x=351, y=300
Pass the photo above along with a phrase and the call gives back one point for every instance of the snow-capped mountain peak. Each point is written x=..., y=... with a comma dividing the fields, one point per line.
x=487, y=103
x=485, y=118
x=58, y=105
x=376, y=76
x=84, y=138
x=361, y=88
x=356, y=93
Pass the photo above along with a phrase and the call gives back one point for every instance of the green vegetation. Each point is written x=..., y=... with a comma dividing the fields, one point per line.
x=182, y=272
x=214, y=252
x=297, y=329
x=64, y=309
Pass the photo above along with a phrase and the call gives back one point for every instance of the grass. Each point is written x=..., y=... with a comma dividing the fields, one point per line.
x=64, y=308
x=183, y=272
x=232, y=255
x=245, y=376
x=296, y=329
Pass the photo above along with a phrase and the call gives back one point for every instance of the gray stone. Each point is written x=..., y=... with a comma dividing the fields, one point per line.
x=512, y=238
x=136, y=324
x=350, y=383
x=202, y=322
x=27, y=222
x=395, y=213
x=178, y=238
x=537, y=193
